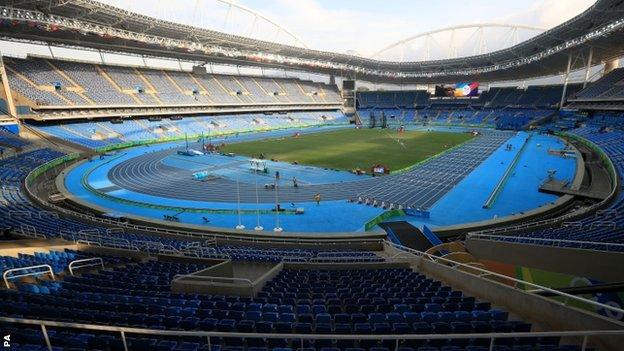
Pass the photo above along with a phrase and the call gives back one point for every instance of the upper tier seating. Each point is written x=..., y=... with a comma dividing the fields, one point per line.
x=533, y=97
x=392, y=99
x=610, y=86
x=504, y=108
x=63, y=83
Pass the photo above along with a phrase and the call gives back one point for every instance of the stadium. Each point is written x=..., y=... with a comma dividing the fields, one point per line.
x=171, y=184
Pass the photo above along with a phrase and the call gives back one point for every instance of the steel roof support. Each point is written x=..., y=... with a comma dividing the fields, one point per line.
x=8, y=94
x=565, y=81
x=588, y=67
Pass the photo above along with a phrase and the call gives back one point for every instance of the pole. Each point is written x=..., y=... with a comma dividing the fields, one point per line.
x=277, y=223
x=46, y=337
x=565, y=81
x=123, y=339
x=51, y=52
x=12, y=111
x=258, y=226
x=589, y=63
x=491, y=348
x=240, y=225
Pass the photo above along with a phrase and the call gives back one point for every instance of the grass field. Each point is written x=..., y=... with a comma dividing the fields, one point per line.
x=351, y=148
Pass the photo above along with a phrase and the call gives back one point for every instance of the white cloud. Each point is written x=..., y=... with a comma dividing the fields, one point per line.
x=549, y=13
x=340, y=28
x=365, y=32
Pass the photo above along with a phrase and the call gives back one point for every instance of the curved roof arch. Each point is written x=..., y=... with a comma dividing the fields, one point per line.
x=265, y=18
x=88, y=23
x=453, y=28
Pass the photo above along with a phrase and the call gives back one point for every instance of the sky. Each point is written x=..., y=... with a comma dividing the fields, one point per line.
x=360, y=26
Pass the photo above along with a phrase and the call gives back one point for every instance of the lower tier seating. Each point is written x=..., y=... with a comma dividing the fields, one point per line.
x=308, y=301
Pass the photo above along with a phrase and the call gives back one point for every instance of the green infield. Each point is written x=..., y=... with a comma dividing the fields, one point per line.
x=348, y=149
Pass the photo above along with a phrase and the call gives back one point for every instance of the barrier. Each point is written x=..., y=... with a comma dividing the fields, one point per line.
x=382, y=217
x=83, y=263
x=567, y=298
x=492, y=337
x=551, y=242
x=214, y=279
x=5, y=275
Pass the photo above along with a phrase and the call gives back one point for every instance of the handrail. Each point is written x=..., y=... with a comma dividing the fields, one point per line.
x=512, y=238
x=585, y=334
x=95, y=261
x=485, y=272
x=6, y=278
x=354, y=259
x=212, y=279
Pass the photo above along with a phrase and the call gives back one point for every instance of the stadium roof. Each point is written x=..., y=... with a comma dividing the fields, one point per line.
x=88, y=23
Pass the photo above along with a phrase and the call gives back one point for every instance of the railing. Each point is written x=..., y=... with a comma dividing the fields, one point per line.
x=338, y=259
x=29, y=230
x=492, y=337
x=214, y=279
x=84, y=263
x=593, y=245
x=517, y=283
x=5, y=275
x=116, y=244
x=574, y=224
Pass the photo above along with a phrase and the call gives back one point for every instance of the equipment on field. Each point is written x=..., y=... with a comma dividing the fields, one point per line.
x=258, y=165
x=372, y=122
x=380, y=170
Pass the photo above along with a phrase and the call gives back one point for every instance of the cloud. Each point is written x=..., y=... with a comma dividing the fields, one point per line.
x=354, y=26
x=338, y=29
x=549, y=13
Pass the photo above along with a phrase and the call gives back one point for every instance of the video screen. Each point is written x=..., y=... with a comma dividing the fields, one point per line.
x=457, y=90
x=466, y=89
